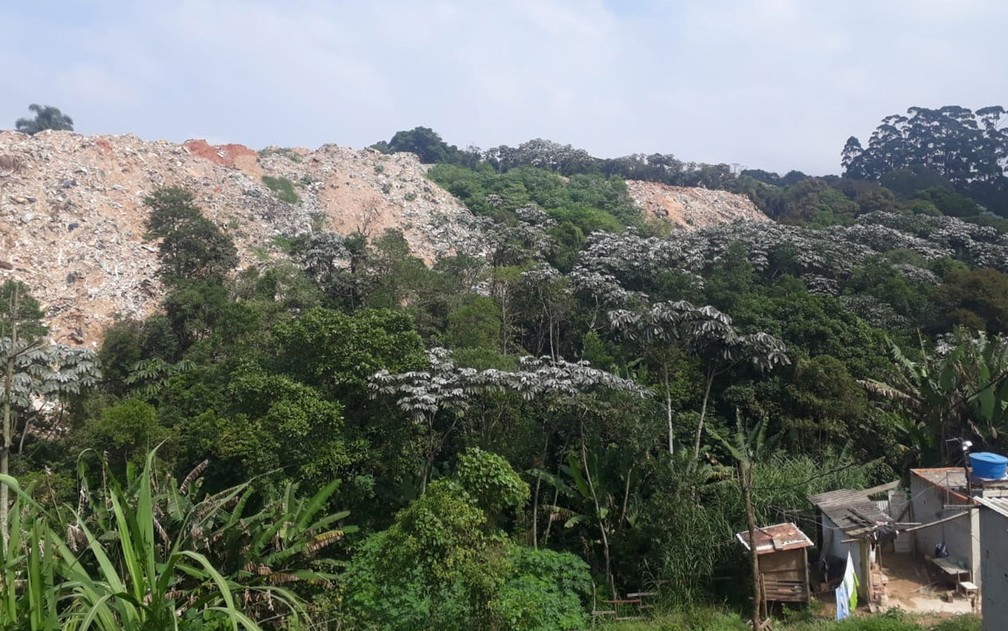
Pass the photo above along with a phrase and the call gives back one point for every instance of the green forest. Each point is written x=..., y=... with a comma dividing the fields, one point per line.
x=575, y=406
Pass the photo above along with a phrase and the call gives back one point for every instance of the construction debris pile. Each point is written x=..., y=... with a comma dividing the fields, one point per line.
x=692, y=208
x=72, y=214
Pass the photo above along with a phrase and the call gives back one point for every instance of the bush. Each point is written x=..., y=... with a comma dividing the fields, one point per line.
x=283, y=188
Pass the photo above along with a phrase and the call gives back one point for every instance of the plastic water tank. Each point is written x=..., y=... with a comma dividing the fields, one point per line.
x=988, y=466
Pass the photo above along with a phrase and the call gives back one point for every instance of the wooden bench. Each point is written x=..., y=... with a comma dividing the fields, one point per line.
x=960, y=575
x=970, y=590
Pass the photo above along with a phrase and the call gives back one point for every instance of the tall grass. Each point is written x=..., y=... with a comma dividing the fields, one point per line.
x=136, y=558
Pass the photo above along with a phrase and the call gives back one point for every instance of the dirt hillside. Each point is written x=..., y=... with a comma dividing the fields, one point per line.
x=692, y=208
x=72, y=217
x=72, y=214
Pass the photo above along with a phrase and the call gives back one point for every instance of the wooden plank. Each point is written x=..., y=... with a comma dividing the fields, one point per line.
x=882, y=488
x=940, y=521
x=868, y=520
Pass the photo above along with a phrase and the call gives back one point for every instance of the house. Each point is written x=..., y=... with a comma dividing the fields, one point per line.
x=994, y=562
x=947, y=505
x=849, y=521
x=942, y=504
x=783, y=561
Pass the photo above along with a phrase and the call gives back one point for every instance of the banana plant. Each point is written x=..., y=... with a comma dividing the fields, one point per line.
x=594, y=499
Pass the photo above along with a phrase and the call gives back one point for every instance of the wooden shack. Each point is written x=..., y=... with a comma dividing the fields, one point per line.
x=850, y=522
x=783, y=561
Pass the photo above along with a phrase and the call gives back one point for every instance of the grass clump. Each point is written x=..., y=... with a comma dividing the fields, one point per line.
x=283, y=188
x=286, y=152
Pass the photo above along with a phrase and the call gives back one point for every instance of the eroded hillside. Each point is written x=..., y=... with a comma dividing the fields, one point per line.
x=72, y=214
x=692, y=208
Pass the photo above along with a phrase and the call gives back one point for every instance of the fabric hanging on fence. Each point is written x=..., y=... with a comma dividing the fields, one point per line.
x=846, y=593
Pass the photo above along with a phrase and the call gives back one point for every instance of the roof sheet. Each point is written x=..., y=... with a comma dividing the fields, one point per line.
x=999, y=504
x=851, y=510
x=776, y=538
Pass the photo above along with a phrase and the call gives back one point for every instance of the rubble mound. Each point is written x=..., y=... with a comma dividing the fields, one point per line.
x=692, y=208
x=72, y=214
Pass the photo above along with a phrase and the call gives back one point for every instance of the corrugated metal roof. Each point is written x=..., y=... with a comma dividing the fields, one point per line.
x=852, y=511
x=776, y=538
x=999, y=504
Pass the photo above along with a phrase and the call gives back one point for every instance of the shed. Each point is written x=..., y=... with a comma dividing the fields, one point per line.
x=850, y=522
x=783, y=561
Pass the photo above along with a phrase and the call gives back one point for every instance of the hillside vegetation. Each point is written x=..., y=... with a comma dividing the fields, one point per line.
x=551, y=411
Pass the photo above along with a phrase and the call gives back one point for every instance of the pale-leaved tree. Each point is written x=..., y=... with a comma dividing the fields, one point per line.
x=704, y=332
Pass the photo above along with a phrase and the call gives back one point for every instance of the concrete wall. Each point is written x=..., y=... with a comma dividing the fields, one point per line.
x=961, y=536
x=833, y=545
x=994, y=569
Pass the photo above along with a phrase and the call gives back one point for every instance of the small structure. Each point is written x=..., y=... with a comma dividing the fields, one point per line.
x=950, y=522
x=947, y=503
x=783, y=561
x=849, y=521
x=994, y=553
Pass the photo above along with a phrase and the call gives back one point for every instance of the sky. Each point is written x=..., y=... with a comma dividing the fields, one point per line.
x=770, y=84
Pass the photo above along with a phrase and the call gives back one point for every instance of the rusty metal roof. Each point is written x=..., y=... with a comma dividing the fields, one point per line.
x=777, y=538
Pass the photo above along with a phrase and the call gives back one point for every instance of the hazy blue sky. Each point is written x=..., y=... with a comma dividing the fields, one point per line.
x=774, y=84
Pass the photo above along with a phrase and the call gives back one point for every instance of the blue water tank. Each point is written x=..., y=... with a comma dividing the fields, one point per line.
x=988, y=466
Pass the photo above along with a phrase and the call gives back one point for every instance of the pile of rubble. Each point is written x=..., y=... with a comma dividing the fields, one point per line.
x=72, y=214
x=692, y=208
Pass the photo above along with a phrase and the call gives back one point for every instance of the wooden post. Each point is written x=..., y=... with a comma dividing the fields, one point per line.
x=744, y=482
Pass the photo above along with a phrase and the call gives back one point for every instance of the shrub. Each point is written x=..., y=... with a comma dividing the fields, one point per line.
x=283, y=188
x=286, y=152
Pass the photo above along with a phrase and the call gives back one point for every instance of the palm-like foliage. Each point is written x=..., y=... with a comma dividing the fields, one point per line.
x=959, y=390
x=706, y=333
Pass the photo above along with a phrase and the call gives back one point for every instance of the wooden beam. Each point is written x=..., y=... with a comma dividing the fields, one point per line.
x=935, y=523
x=882, y=488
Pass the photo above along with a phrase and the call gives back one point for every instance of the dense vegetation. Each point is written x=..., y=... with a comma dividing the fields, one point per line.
x=552, y=416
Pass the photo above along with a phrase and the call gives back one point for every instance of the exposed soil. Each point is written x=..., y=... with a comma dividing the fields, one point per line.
x=72, y=215
x=692, y=208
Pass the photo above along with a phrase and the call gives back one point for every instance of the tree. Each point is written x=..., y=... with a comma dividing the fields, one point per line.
x=747, y=448
x=965, y=147
x=445, y=389
x=192, y=246
x=424, y=142
x=976, y=298
x=46, y=117
x=958, y=390
x=444, y=564
x=33, y=373
x=709, y=335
